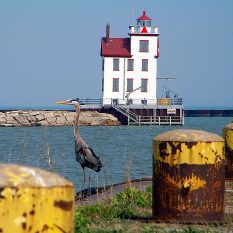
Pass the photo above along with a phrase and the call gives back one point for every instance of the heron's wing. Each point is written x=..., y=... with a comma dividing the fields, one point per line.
x=91, y=157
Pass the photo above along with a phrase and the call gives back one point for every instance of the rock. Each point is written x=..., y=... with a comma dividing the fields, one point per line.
x=69, y=116
x=42, y=123
x=8, y=125
x=22, y=120
x=52, y=120
x=49, y=114
x=10, y=119
x=61, y=120
x=2, y=119
x=34, y=113
x=94, y=123
x=31, y=119
x=111, y=117
x=85, y=123
x=40, y=117
x=85, y=114
x=95, y=114
x=70, y=119
x=58, y=114
x=116, y=123
x=13, y=113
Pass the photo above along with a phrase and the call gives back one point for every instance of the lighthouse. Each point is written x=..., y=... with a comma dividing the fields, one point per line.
x=129, y=77
x=129, y=64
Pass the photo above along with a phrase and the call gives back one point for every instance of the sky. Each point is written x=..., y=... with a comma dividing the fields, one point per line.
x=50, y=49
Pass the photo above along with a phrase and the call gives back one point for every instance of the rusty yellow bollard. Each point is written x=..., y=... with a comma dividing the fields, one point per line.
x=228, y=136
x=34, y=200
x=188, y=177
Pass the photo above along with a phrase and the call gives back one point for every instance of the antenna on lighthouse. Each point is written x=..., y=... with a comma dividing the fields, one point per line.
x=166, y=78
x=133, y=16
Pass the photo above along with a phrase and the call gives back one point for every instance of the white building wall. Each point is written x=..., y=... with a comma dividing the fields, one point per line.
x=151, y=74
x=109, y=75
x=136, y=75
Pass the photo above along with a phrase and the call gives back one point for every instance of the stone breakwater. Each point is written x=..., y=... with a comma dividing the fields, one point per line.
x=54, y=118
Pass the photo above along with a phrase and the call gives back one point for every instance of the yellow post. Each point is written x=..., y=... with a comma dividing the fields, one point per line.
x=228, y=136
x=34, y=200
x=188, y=176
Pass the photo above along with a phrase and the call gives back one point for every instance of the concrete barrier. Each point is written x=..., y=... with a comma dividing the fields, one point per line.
x=188, y=177
x=34, y=200
x=228, y=136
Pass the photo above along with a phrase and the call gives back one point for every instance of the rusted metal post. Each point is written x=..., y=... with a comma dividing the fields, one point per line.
x=188, y=177
x=34, y=200
x=228, y=136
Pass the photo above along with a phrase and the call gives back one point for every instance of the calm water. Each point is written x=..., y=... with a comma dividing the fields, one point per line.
x=124, y=150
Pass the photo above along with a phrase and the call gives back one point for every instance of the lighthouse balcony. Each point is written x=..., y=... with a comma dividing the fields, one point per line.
x=138, y=29
x=142, y=103
x=131, y=103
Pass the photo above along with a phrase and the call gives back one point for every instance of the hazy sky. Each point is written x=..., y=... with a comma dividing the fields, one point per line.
x=50, y=49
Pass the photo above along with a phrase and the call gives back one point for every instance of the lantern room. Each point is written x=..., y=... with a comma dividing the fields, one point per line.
x=144, y=20
x=143, y=25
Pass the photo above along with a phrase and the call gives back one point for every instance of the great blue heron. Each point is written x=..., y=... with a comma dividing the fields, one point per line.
x=84, y=153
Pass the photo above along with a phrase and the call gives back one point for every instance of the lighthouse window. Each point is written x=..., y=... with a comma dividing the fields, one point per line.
x=144, y=46
x=144, y=84
x=139, y=23
x=115, y=85
x=116, y=64
x=130, y=65
x=129, y=84
x=144, y=64
x=148, y=23
x=144, y=23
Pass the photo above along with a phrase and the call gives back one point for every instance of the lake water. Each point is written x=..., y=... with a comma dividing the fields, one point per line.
x=126, y=151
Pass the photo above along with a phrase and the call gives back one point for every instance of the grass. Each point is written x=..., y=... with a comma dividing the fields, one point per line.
x=130, y=211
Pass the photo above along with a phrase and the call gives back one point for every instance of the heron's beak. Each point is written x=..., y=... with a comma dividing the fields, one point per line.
x=63, y=102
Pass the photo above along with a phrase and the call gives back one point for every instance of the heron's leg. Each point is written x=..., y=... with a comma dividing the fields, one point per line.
x=84, y=180
x=89, y=181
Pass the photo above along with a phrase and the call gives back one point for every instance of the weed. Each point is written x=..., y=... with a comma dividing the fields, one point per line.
x=109, y=231
x=122, y=206
x=191, y=229
x=133, y=197
x=148, y=229
x=125, y=203
x=81, y=223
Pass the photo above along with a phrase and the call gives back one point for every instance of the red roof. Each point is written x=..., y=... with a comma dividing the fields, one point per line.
x=117, y=47
x=144, y=16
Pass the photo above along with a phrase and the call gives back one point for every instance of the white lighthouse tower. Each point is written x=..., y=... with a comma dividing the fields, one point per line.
x=130, y=64
x=130, y=77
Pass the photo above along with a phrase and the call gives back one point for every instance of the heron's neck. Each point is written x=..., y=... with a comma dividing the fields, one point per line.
x=76, y=122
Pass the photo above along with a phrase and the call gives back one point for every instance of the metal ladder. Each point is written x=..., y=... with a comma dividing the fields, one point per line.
x=131, y=116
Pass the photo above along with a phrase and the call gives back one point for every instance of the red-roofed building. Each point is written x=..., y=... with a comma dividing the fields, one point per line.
x=131, y=63
x=129, y=78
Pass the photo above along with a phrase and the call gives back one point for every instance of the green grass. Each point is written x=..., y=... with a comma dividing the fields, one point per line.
x=130, y=211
